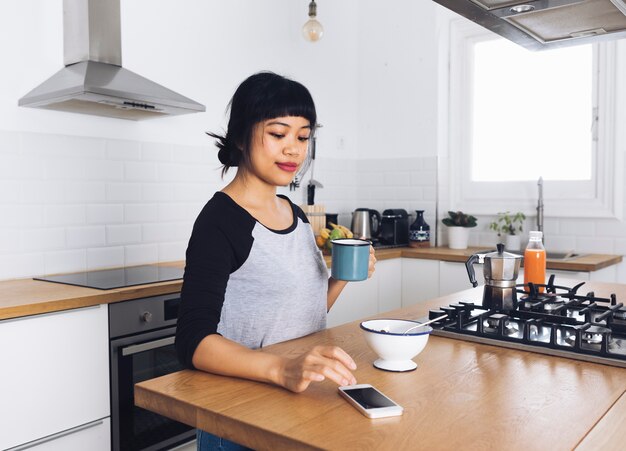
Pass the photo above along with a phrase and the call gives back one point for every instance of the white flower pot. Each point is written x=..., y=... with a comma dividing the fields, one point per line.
x=513, y=243
x=458, y=237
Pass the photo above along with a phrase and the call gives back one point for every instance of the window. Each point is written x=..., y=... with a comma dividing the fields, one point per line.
x=516, y=115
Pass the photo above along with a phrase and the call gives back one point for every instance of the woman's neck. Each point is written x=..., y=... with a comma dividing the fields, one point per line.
x=251, y=192
x=260, y=200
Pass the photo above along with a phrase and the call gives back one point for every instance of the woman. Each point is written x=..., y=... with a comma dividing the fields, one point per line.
x=253, y=274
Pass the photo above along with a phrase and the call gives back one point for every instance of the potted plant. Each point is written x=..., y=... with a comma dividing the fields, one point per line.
x=458, y=224
x=509, y=225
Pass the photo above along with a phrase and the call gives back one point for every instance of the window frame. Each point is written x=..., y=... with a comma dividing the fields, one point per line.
x=602, y=197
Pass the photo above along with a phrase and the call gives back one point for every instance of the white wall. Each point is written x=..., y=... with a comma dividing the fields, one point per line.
x=202, y=49
x=398, y=57
x=81, y=192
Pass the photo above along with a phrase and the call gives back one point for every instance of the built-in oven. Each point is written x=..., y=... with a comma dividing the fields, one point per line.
x=142, y=335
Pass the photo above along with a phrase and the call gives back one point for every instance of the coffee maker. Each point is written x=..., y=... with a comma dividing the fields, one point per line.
x=500, y=270
x=394, y=227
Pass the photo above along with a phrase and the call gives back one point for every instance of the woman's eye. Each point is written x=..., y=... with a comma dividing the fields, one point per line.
x=303, y=138
x=277, y=135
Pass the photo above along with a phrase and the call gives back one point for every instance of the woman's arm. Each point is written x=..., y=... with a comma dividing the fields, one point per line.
x=335, y=287
x=219, y=355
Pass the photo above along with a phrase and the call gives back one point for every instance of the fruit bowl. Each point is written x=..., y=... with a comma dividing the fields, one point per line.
x=386, y=337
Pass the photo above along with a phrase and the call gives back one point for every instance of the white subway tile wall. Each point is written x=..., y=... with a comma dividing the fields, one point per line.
x=72, y=203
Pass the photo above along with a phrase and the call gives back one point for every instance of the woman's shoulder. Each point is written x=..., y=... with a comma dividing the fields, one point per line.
x=223, y=212
x=297, y=211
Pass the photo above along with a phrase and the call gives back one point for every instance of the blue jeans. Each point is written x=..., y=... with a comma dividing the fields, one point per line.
x=210, y=442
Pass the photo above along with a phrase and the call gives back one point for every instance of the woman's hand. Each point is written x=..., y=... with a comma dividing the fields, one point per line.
x=319, y=363
x=372, y=264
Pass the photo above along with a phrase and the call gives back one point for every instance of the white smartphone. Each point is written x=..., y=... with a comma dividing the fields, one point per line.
x=369, y=401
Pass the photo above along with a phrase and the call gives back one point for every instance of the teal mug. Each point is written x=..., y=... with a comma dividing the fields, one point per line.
x=350, y=259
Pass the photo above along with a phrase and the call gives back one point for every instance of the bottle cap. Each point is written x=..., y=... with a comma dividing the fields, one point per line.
x=535, y=235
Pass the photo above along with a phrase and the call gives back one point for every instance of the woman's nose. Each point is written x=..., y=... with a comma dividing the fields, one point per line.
x=292, y=148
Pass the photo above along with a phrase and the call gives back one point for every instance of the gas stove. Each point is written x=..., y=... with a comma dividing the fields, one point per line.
x=548, y=319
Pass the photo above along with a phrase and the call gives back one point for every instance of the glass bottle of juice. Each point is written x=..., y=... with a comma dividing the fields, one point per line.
x=535, y=261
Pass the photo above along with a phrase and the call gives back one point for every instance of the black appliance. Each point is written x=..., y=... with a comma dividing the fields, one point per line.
x=107, y=279
x=549, y=319
x=142, y=335
x=394, y=227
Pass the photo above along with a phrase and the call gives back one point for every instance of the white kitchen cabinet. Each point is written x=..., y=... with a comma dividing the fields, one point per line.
x=55, y=375
x=608, y=274
x=95, y=436
x=453, y=277
x=389, y=276
x=357, y=300
x=420, y=280
x=378, y=294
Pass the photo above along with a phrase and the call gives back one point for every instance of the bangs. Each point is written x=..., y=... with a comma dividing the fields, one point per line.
x=263, y=96
x=292, y=100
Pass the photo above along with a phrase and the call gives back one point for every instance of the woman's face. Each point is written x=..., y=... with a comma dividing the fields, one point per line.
x=279, y=147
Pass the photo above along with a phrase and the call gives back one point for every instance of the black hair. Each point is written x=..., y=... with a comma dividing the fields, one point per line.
x=262, y=96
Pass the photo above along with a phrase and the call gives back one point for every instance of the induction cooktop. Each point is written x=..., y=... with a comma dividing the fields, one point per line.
x=108, y=279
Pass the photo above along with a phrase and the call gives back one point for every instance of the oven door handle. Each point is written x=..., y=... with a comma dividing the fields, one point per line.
x=135, y=349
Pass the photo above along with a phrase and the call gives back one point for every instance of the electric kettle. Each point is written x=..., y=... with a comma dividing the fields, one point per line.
x=500, y=270
x=365, y=223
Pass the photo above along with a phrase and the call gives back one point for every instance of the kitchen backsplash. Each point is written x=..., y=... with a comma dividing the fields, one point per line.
x=380, y=184
x=72, y=203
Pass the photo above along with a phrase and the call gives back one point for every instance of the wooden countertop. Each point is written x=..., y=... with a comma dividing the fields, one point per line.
x=463, y=395
x=22, y=297
x=586, y=262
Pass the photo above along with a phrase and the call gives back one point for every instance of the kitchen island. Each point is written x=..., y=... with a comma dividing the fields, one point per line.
x=463, y=395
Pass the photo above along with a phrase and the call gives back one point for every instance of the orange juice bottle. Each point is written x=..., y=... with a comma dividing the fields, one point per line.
x=535, y=261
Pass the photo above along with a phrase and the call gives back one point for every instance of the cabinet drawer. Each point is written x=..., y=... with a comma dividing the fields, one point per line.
x=94, y=436
x=55, y=373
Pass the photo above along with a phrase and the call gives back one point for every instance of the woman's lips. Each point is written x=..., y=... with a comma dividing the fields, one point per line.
x=289, y=167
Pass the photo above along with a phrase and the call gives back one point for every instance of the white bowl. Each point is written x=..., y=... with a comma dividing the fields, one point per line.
x=387, y=339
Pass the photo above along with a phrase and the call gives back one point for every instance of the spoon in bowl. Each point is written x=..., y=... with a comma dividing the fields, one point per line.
x=425, y=323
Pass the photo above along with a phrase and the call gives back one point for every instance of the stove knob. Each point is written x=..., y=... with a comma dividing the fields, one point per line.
x=146, y=317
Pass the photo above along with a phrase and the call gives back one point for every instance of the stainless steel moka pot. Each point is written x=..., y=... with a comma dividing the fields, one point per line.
x=500, y=270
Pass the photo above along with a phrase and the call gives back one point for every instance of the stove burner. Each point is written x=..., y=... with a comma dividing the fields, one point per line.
x=592, y=336
x=492, y=323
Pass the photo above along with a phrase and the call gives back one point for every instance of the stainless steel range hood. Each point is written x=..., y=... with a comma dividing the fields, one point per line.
x=93, y=80
x=546, y=24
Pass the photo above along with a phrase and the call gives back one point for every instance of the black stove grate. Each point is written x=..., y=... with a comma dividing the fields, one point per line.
x=549, y=319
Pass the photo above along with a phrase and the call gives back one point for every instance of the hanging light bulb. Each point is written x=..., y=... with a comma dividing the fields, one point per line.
x=312, y=29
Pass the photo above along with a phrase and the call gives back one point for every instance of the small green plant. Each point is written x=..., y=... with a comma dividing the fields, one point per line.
x=459, y=219
x=508, y=223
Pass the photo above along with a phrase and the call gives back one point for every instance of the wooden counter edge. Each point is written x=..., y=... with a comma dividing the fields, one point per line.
x=81, y=301
x=217, y=423
x=173, y=408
